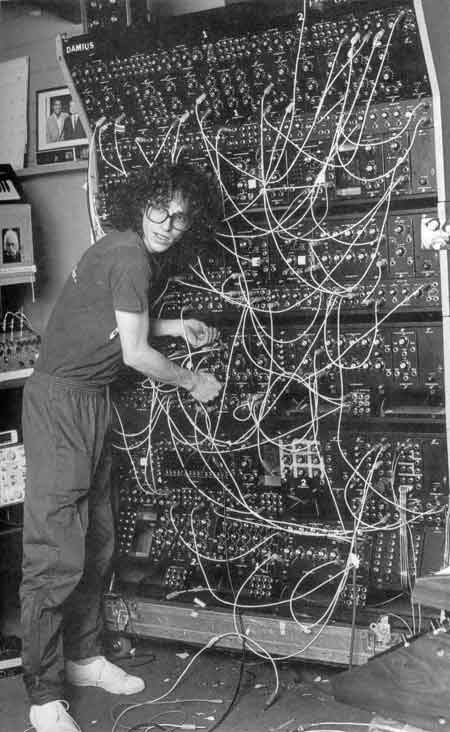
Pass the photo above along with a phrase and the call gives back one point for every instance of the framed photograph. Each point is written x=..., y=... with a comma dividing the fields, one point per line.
x=61, y=136
x=11, y=245
x=16, y=244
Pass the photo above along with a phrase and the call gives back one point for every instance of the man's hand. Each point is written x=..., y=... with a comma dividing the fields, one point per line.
x=197, y=333
x=206, y=387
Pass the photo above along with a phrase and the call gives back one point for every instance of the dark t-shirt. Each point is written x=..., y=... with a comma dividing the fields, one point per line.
x=81, y=341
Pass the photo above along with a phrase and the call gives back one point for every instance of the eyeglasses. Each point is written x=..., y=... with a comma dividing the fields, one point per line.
x=158, y=214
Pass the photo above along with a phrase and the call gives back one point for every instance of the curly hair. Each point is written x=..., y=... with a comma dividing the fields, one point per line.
x=157, y=185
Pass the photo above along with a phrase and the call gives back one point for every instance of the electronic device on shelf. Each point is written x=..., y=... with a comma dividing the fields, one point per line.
x=12, y=469
x=10, y=188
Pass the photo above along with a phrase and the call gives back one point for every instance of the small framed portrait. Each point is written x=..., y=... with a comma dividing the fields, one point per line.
x=61, y=136
x=16, y=244
x=11, y=245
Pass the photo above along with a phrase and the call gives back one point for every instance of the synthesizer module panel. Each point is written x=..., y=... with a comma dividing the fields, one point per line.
x=317, y=482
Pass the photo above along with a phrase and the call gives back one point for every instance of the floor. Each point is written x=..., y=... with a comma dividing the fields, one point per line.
x=202, y=697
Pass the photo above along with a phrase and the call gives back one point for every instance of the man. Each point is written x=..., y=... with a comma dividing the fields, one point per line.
x=73, y=129
x=100, y=321
x=55, y=122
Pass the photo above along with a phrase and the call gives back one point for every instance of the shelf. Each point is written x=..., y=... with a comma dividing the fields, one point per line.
x=7, y=664
x=18, y=275
x=35, y=170
x=14, y=378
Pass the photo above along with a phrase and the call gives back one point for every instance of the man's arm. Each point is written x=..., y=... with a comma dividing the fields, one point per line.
x=165, y=327
x=137, y=353
x=194, y=331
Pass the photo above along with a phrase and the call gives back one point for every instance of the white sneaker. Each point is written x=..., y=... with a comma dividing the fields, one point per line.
x=52, y=717
x=100, y=672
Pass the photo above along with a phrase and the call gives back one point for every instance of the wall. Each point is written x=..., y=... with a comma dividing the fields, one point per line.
x=60, y=220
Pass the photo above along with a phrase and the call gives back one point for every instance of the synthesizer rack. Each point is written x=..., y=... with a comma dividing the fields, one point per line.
x=317, y=485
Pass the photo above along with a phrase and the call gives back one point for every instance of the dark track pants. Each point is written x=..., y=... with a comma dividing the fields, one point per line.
x=68, y=534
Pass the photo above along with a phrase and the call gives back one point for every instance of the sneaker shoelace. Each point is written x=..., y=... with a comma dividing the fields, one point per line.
x=66, y=706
